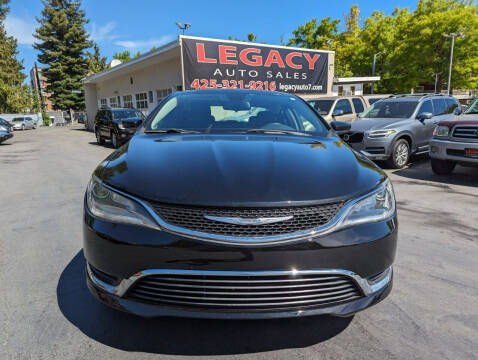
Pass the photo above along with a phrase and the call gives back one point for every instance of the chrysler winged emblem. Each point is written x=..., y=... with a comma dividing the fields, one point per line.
x=248, y=221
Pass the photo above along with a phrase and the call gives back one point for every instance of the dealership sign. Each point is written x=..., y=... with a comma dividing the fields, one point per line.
x=216, y=64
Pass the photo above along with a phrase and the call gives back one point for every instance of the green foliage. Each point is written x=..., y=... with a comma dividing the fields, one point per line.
x=45, y=118
x=4, y=8
x=14, y=95
x=122, y=56
x=62, y=44
x=96, y=62
x=251, y=37
x=138, y=54
x=411, y=44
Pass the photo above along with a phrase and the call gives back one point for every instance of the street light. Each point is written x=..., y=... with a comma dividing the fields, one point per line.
x=452, y=36
x=183, y=27
x=373, y=65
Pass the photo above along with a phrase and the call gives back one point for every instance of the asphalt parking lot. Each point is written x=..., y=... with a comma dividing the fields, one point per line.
x=46, y=311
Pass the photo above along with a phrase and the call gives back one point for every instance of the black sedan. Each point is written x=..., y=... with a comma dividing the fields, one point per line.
x=238, y=204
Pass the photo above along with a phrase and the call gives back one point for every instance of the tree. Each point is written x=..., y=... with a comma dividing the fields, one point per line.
x=411, y=44
x=96, y=62
x=62, y=44
x=122, y=56
x=14, y=95
x=138, y=54
x=4, y=9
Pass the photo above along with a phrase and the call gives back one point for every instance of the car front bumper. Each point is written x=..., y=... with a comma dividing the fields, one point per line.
x=126, y=252
x=452, y=150
x=374, y=149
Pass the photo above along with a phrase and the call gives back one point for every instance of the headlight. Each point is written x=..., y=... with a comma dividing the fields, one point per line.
x=120, y=125
x=441, y=131
x=111, y=206
x=381, y=133
x=376, y=207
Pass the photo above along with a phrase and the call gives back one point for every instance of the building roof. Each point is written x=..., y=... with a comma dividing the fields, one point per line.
x=134, y=64
x=356, y=79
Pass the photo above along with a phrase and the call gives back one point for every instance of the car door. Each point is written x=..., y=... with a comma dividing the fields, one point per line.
x=29, y=123
x=420, y=127
x=346, y=107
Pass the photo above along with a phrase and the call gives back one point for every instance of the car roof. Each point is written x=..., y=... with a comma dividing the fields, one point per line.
x=228, y=91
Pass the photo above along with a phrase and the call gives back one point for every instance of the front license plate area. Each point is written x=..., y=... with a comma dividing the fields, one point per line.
x=471, y=153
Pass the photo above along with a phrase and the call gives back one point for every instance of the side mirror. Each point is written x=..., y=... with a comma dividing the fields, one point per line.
x=457, y=110
x=424, y=116
x=340, y=126
x=337, y=113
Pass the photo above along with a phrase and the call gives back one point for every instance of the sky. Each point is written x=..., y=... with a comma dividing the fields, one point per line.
x=138, y=25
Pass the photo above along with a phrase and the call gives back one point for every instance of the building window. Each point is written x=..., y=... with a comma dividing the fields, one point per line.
x=103, y=103
x=141, y=101
x=340, y=91
x=113, y=102
x=162, y=93
x=150, y=96
x=119, y=100
x=128, y=101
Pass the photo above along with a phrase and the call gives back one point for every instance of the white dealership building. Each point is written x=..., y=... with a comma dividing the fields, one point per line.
x=143, y=81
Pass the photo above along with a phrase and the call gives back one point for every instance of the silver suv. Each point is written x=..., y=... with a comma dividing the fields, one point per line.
x=394, y=128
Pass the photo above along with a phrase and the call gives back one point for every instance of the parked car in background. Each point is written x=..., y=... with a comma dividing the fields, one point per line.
x=5, y=125
x=5, y=135
x=23, y=123
x=343, y=108
x=117, y=125
x=5, y=130
x=238, y=204
x=395, y=128
x=455, y=142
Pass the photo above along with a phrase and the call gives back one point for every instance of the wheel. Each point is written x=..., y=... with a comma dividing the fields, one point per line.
x=115, y=141
x=400, y=154
x=99, y=138
x=442, y=167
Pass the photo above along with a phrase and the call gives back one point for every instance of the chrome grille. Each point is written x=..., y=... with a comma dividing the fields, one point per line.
x=466, y=132
x=193, y=218
x=243, y=292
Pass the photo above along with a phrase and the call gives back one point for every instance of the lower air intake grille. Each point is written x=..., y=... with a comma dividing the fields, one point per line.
x=241, y=292
x=193, y=218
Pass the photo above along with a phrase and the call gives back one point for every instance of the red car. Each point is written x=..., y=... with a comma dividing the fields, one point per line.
x=455, y=142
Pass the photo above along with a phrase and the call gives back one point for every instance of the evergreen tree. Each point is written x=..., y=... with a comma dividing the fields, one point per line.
x=96, y=62
x=62, y=44
x=14, y=95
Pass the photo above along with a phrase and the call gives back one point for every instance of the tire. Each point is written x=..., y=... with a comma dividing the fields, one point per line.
x=115, y=141
x=400, y=154
x=99, y=139
x=442, y=167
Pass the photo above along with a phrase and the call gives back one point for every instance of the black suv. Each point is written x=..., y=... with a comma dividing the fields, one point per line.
x=117, y=125
x=239, y=204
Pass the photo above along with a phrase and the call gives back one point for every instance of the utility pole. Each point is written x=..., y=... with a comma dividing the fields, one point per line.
x=373, y=66
x=452, y=36
x=436, y=80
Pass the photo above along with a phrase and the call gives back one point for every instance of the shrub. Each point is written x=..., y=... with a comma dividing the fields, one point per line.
x=46, y=119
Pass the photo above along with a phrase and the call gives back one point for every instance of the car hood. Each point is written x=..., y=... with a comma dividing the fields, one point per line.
x=239, y=170
x=364, y=124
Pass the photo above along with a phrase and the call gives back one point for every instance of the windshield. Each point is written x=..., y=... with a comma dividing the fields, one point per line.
x=390, y=109
x=126, y=114
x=372, y=101
x=473, y=108
x=235, y=111
x=322, y=106
x=17, y=119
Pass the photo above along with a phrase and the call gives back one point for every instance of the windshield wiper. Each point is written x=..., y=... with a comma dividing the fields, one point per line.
x=170, y=131
x=272, y=131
